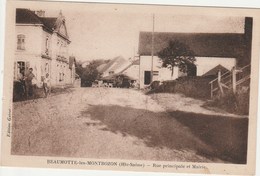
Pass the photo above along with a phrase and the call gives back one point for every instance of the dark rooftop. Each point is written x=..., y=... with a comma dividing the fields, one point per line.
x=26, y=16
x=214, y=71
x=203, y=44
x=49, y=22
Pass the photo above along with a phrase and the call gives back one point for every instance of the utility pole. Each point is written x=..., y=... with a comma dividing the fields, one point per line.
x=152, y=51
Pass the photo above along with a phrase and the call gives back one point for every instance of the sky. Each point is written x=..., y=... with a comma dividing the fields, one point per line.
x=97, y=34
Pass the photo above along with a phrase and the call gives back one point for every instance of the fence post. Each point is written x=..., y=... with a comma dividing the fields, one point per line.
x=211, y=90
x=219, y=83
x=234, y=79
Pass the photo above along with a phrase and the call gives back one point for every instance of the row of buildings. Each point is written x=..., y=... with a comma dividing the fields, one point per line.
x=42, y=43
x=213, y=52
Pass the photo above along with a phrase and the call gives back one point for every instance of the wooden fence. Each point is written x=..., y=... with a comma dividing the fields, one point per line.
x=229, y=80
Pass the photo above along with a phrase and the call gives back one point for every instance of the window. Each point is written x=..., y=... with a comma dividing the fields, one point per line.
x=21, y=42
x=155, y=73
x=21, y=67
x=47, y=68
x=47, y=46
x=111, y=72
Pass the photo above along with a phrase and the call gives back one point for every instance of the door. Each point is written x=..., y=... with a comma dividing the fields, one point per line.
x=191, y=70
x=147, y=77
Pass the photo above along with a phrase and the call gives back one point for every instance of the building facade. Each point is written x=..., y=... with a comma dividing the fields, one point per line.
x=132, y=70
x=114, y=66
x=43, y=45
x=212, y=50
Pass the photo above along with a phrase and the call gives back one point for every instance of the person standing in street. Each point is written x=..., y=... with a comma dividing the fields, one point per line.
x=46, y=85
x=29, y=87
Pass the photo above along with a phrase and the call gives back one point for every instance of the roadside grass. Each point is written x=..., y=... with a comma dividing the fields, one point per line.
x=192, y=86
x=199, y=88
x=233, y=103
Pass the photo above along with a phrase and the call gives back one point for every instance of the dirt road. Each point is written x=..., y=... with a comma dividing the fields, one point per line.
x=106, y=123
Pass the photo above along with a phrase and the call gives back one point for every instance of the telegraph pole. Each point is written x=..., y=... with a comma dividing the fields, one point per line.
x=152, y=53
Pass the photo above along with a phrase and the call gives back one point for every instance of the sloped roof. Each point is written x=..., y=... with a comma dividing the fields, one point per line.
x=49, y=22
x=113, y=64
x=203, y=44
x=100, y=67
x=136, y=62
x=214, y=71
x=26, y=16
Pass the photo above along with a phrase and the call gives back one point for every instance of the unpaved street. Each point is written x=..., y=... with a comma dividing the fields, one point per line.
x=108, y=123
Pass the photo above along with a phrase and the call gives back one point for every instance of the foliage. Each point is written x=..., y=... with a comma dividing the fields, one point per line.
x=79, y=69
x=89, y=74
x=233, y=103
x=92, y=65
x=177, y=54
x=196, y=87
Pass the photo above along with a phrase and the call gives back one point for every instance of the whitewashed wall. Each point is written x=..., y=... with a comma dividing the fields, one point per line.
x=33, y=36
x=133, y=71
x=35, y=47
x=32, y=51
x=164, y=73
x=204, y=64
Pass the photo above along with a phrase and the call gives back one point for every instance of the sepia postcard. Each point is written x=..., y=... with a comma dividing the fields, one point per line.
x=130, y=87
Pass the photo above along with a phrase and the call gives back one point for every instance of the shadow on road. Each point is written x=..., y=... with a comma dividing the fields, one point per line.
x=228, y=135
x=214, y=137
x=39, y=93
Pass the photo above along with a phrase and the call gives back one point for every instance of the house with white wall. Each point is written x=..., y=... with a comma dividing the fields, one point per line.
x=114, y=66
x=132, y=70
x=42, y=43
x=211, y=49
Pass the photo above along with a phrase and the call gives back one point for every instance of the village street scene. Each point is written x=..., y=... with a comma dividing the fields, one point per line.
x=133, y=86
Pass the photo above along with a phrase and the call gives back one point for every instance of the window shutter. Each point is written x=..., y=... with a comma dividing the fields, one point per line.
x=27, y=66
x=15, y=71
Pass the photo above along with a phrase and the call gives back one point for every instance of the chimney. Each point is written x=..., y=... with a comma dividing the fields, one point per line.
x=248, y=28
x=248, y=39
x=40, y=13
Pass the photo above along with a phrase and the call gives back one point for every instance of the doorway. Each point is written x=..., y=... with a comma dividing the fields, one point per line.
x=147, y=77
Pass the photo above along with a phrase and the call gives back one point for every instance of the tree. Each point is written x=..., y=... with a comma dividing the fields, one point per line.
x=177, y=54
x=90, y=74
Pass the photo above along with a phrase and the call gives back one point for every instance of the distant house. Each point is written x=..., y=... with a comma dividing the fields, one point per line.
x=214, y=71
x=211, y=50
x=115, y=65
x=85, y=64
x=42, y=43
x=132, y=70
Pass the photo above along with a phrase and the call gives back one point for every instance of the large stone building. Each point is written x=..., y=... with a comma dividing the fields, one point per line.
x=42, y=43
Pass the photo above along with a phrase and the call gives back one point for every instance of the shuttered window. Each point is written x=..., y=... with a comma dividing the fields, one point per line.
x=21, y=42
